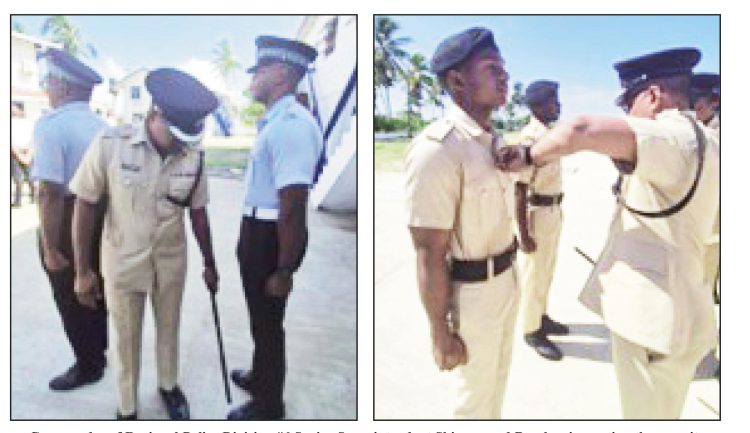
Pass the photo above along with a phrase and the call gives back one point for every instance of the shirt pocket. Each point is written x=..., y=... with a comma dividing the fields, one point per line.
x=128, y=182
x=181, y=183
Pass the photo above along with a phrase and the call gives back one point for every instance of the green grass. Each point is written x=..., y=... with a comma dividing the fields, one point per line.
x=226, y=158
x=389, y=155
x=227, y=152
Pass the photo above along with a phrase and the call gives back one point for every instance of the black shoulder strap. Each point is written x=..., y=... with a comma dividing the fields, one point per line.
x=186, y=201
x=685, y=200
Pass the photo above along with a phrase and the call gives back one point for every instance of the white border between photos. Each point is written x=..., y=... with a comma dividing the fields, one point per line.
x=734, y=28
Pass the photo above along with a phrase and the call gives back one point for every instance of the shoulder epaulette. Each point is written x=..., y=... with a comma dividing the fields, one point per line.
x=438, y=130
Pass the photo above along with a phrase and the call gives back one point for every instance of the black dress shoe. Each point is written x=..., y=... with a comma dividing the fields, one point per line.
x=176, y=403
x=75, y=377
x=539, y=341
x=132, y=417
x=552, y=327
x=241, y=378
x=252, y=411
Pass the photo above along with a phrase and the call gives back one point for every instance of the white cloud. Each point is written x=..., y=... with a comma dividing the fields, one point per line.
x=577, y=100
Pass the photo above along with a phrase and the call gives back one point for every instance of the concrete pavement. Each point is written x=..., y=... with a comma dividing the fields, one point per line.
x=581, y=386
x=320, y=324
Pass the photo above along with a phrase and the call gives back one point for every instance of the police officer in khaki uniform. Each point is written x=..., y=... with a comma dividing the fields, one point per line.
x=461, y=222
x=542, y=186
x=150, y=173
x=706, y=99
x=648, y=282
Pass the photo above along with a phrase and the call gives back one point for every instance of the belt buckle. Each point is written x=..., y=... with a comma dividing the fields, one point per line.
x=490, y=267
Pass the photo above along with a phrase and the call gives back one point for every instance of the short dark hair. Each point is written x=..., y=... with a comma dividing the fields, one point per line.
x=678, y=85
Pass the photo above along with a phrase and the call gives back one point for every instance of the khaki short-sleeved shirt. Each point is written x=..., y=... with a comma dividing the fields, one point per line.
x=648, y=283
x=714, y=123
x=452, y=184
x=547, y=179
x=143, y=231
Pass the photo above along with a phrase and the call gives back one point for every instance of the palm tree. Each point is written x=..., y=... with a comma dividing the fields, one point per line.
x=18, y=27
x=388, y=55
x=418, y=80
x=224, y=60
x=64, y=32
x=512, y=122
x=435, y=95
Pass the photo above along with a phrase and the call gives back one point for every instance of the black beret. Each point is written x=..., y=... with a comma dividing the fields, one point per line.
x=706, y=84
x=455, y=49
x=540, y=91
x=183, y=100
x=272, y=49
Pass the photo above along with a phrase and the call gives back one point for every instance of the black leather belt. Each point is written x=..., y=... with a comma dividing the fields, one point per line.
x=472, y=271
x=545, y=200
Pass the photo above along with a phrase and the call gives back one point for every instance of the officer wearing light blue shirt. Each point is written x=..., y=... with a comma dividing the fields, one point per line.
x=61, y=138
x=273, y=233
x=286, y=151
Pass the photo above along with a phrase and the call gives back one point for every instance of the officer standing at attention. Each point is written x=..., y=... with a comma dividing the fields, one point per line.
x=61, y=138
x=151, y=173
x=460, y=211
x=543, y=188
x=648, y=281
x=273, y=232
x=706, y=98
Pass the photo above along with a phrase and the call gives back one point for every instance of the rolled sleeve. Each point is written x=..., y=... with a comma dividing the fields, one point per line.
x=294, y=153
x=90, y=180
x=433, y=186
x=664, y=151
x=49, y=160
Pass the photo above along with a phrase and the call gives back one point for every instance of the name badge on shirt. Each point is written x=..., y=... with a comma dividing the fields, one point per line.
x=130, y=167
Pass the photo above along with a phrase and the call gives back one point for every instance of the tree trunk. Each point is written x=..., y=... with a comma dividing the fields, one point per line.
x=388, y=102
x=408, y=118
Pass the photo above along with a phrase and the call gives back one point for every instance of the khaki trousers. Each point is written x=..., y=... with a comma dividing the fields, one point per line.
x=486, y=314
x=536, y=269
x=126, y=312
x=652, y=389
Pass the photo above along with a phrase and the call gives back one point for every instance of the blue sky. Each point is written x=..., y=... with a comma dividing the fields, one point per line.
x=577, y=51
x=126, y=43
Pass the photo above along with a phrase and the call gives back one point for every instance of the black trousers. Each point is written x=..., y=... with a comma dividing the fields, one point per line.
x=85, y=328
x=257, y=253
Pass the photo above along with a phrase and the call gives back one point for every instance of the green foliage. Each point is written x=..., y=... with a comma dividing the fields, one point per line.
x=18, y=27
x=388, y=124
x=252, y=112
x=393, y=124
x=388, y=55
x=509, y=118
x=65, y=33
x=224, y=61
